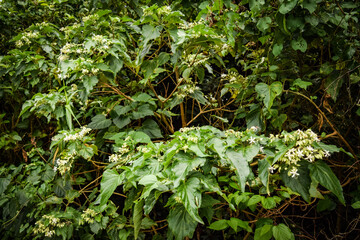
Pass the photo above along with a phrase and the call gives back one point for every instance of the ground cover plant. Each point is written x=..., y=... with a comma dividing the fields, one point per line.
x=179, y=119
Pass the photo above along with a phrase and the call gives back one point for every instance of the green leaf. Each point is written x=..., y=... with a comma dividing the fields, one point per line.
x=356, y=205
x=99, y=122
x=263, y=23
x=181, y=224
x=111, y=179
x=277, y=48
x=149, y=32
x=268, y=202
x=282, y=232
x=300, y=184
x=121, y=122
x=121, y=110
x=310, y=5
x=254, y=200
x=287, y=6
x=219, y=225
x=302, y=84
x=240, y=163
x=191, y=197
x=268, y=93
x=264, y=232
x=151, y=128
x=264, y=172
x=299, y=44
x=143, y=111
x=256, y=5
x=140, y=137
x=4, y=183
x=137, y=217
x=234, y=223
x=322, y=173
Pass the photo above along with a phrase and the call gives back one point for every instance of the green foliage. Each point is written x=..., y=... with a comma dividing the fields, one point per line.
x=100, y=100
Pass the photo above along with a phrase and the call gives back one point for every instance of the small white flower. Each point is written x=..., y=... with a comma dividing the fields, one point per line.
x=252, y=140
x=326, y=153
x=261, y=149
x=294, y=173
x=272, y=169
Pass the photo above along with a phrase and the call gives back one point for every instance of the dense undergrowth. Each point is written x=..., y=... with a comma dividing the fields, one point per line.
x=179, y=119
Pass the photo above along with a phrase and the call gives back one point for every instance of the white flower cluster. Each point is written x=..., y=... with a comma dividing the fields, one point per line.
x=188, y=129
x=231, y=132
x=302, y=150
x=48, y=229
x=234, y=78
x=27, y=37
x=102, y=42
x=64, y=163
x=195, y=59
x=78, y=135
x=88, y=216
x=187, y=25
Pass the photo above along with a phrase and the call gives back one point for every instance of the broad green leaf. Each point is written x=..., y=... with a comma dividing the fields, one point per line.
x=190, y=195
x=219, y=225
x=263, y=23
x=282, y=232
x=241, y=166
x=299, y=44
x=301, y=183
x=322, y=173
x=137, y=217
x=264, y=232
x=181, y=224
x=287, y=6
x=99, y=122
x=142, y=111
x=234, y=223
x=330, y=148
x=140, y=137
x=151, y=128
x=326, y=204
x=277, y=48
x=4, y=183
x=268, y=93
x=264, y=172
x=268, y=202
x=122, y=121
x=310, y=5
x=254, y=200
x=356, y=205
x=149, y=32
x=301, y=83
x=121, y=110
x=279, y=120
x=111, y=179
x=256, y=5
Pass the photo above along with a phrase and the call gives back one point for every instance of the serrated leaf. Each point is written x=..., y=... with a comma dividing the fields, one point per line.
x=151, y=128
x=122, y=121
x=149, y=32
x=99, y=122
x=322, y=173
x=268, y=93
x=191, y=197
x=264, y=232
x=268, y=202
x=111, y=179
x=219, y=225
x=181, y=224
x=282, y=232
x=300, y=184
x=241, y=166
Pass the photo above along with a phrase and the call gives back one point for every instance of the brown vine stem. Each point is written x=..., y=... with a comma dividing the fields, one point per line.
x=327, y=120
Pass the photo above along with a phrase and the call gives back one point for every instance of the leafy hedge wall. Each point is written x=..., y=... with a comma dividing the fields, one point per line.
x=179, y=119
